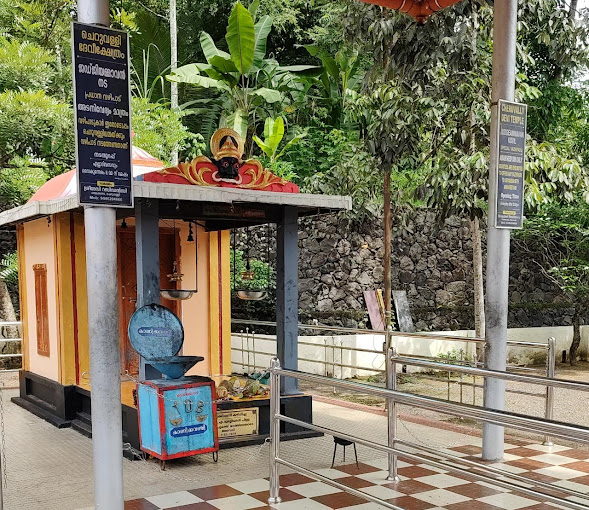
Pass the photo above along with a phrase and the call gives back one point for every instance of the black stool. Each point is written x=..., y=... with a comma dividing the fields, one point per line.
x=344, y=443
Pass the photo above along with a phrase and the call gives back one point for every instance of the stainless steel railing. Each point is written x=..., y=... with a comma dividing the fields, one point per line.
x=423, y=454
x=17, y=324
x=249, y=336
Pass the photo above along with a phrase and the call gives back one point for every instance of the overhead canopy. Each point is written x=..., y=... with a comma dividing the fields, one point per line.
x=60, y=195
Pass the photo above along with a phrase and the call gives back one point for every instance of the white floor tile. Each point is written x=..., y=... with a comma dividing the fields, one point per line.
x=554, y=459
x=378, y=477
x=561, y=472
x=173, y=499
x=366, y=506
x=383, y=463
x=441, y=480
x=508, y=468
x=313, y=489
x=549, y=449
x=251, y=486
x=571, y=484
x=508, y=501
x=491, y=486
x=241, y=502
x=301, y=504
x=440, y=497
x=378, y=491
x=334, y=474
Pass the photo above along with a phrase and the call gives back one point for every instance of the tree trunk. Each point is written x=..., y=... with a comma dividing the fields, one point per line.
x=173, y=66
x=479, y=288
x=573, y=9
x=7, y=314
x=576, y=338
x=387, y=246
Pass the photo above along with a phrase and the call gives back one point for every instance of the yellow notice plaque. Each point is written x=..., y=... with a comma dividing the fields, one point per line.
x=238, y=422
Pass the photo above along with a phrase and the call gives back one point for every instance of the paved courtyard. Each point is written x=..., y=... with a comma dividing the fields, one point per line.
x=51, y=469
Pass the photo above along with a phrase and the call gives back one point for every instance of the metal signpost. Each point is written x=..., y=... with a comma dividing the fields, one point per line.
x=103, y=138
x=102, y=114
x=511, y=147
x=497, y=281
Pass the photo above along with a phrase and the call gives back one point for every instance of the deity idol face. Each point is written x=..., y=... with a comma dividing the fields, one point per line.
x=228, y=167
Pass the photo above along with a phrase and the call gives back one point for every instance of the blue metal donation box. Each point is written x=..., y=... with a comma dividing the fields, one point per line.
x=178, y=414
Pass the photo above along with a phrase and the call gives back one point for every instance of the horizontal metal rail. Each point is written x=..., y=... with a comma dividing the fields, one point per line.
x=7, y=340
x=18, y=355
x=465, y=471
x=496, y=374
x=441, y=459
x=426, y=336
x=10, y=323
x=494, y=416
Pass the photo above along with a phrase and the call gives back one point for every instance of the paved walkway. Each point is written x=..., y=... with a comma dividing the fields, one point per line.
x=51, y=469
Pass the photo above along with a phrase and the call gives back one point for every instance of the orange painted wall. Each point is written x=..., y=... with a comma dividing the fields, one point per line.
x=39, y=243
x=195, y=311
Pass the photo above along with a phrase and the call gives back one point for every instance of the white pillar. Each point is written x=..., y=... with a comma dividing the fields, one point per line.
x=503, y=87
x=103, y=331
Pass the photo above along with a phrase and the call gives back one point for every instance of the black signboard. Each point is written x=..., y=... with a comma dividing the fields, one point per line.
x=102, y=115
x=511, y=164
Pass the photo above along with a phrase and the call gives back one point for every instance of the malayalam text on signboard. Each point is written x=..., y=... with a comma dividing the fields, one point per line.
x=511, y=164
x=102, y=115
x=238, y=422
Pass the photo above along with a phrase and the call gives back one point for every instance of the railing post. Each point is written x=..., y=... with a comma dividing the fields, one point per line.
x=550, y=369
x=274, y=431
x=391, y=408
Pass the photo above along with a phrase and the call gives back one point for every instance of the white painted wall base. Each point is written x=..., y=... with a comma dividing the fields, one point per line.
x=328, y=349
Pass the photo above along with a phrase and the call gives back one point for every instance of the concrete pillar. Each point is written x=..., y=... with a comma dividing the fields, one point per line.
x=287, y=295
x=147, y=246
x=503, y=87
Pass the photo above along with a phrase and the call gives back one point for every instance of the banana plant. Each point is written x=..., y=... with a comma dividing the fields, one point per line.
x=273, y=135
x=248, y=86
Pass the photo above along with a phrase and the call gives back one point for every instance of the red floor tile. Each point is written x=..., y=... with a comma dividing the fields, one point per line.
x=473, y=490
x=355, y=482
x=409, y=486
x=195, y=506
x=362, y=469
x=416, y=471
x=139, y=504
x=474, y=505
x=216, y=492
x=285, y=495
x=541, y=477
x=294, y=479
x=579, y=466
x=575, y=454
x=339, y=500
x=522, y=451
x=409, y=503
x=469, y=449
x=527, y=463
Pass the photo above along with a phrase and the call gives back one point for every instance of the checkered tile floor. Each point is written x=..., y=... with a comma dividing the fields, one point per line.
x=421, y=487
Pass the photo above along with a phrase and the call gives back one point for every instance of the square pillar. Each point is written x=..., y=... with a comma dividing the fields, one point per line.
x=147, y=246
x=287, y=295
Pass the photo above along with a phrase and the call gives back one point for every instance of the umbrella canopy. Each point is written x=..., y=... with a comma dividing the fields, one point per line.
x=66, y=184
x=418, y=9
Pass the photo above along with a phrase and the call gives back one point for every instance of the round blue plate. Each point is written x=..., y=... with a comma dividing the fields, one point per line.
x=155, y=332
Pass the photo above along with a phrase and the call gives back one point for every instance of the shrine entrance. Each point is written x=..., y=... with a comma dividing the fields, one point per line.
x=127, y=275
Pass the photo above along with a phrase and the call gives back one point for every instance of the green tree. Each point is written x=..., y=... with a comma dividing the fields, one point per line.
x=557, y=239
x=160, y=131
x=249, y=86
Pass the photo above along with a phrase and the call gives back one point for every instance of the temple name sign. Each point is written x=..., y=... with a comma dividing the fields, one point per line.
x=511, y=164
x=102, y=112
